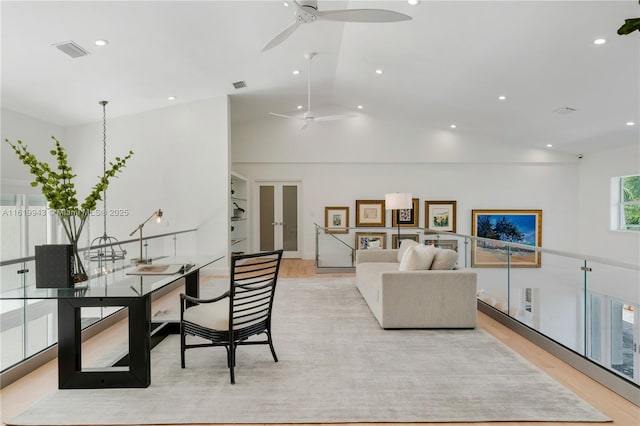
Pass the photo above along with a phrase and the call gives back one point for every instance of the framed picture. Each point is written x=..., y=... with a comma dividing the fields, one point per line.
x=370, y=213
x=371, y=240
x=443, y=244
x=406, y=217
x=336, y=220
x=515, y=226
x=395, y=242
x=440, y=215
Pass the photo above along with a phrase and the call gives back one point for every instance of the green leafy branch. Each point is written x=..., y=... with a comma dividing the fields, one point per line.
x=630, y=25
x=59, y=190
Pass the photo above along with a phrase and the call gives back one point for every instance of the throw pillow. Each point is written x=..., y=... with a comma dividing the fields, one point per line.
x=404, y=245
x=417, y=257
x=444, y=259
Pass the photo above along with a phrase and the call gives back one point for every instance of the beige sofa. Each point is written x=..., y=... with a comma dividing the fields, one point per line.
x=415, y=298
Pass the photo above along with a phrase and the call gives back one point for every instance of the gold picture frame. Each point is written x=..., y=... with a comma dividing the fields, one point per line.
x=440, y=215
x=518, y=226
x=394, y=239
x=407, y=218
x=371, y=240
x=443, y=244
x=336, y=220
x=370, y=213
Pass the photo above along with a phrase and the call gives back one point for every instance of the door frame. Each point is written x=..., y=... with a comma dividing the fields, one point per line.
x=278, y=183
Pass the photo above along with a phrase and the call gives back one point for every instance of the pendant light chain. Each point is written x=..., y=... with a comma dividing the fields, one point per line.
x=104, y=161
x=105, y=247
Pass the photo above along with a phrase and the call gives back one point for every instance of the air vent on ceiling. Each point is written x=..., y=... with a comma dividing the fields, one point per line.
x=72, y=49
x=240, y=84
x=564, y=110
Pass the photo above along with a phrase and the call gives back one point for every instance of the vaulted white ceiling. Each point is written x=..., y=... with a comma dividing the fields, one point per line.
x=448, y=65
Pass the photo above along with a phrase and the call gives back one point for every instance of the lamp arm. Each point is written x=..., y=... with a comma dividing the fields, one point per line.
x=145, y=222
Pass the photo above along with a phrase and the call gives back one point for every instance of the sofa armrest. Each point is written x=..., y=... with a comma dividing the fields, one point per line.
x=388, y=256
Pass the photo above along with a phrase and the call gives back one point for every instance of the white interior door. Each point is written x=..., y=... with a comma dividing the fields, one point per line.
x=279, y=217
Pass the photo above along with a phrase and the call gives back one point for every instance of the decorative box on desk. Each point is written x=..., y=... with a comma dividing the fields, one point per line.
x=54, y=266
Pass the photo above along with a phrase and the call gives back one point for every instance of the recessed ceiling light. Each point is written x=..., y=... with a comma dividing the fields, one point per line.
x=360, y=107
x=299, y=107
x=171, y=98
x=413, y=2
x=453, y=126
x=296, y=72
x=549, y=145
x=102, y=42
x=630, y=123
x=285, y=3
x=379, y=71
x=599, y=41
x=502, y=97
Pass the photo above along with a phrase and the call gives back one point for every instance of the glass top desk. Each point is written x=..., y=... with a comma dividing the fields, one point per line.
x=133, y=292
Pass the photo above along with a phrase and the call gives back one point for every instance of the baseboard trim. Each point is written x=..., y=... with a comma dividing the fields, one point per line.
x=610, y=380
x=335, y=270
x=46, y=355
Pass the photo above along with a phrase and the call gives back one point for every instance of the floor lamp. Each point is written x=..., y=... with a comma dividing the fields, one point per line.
x=396, y=201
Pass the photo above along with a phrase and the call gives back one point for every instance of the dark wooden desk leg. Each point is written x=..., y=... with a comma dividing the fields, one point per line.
x=192, y=285
x=69, y=341
x=70, y=373
x=140, y=340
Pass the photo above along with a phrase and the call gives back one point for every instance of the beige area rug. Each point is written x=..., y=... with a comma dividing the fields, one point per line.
x=336, y=365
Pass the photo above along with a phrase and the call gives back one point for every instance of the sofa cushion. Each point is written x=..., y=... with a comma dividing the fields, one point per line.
x=417, y=257
x=444, y=259
x=404, y=246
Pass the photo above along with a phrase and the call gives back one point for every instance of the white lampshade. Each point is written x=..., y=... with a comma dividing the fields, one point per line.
x=398, y=200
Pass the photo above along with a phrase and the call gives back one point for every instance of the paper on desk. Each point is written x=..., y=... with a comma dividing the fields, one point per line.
x=156, y=269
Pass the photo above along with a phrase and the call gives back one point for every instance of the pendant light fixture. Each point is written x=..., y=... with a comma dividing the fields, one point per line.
x=105, y=248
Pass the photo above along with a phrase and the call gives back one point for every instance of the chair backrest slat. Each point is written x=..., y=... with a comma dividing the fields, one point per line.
x=252, y=286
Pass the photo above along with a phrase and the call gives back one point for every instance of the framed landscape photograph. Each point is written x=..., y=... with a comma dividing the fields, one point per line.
x=370, y=213
x=443, y=244
x=371, y=240
x=336, y=220
x=440, y=215
x=406, y=217
x=395, y=242
x=514, y=226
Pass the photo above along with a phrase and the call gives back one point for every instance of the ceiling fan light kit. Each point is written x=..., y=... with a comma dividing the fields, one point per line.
x=307, y=12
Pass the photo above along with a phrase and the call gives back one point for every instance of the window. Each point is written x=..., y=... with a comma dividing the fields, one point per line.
x=626, y=197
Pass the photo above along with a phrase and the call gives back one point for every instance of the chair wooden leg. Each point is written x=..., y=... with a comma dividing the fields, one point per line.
x=232, y=362
x=273, y=351
x=182, y=346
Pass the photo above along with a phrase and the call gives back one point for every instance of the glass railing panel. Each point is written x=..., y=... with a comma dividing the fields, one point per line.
x=335, y=250
x=612, y=316
x=12, y=332
x=549, y=299
x=41, y=330
x=29, y=326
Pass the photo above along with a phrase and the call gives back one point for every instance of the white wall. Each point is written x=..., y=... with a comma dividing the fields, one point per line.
x=180, y=165
x=36, y=134
x=341, y=162
x=596, y=237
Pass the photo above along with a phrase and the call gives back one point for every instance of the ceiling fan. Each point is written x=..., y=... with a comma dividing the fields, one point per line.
x=307, y=12
x=308, y=116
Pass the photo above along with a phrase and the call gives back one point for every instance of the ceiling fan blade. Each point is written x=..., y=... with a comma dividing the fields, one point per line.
x=306, y=124
x=335, y=117
x=362, y=15
x=286, y=116
x=282, y=36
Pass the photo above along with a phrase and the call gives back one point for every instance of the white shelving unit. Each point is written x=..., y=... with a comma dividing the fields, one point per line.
x=239, y=214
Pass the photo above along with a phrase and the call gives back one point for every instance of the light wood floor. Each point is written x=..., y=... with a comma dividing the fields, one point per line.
x=18, y=396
